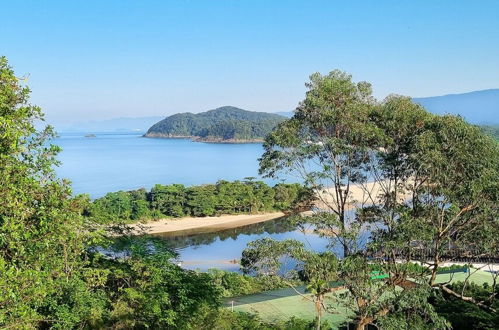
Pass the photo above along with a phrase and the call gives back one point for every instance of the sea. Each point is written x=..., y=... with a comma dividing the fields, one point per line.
x=106, y=162
x=109, y=162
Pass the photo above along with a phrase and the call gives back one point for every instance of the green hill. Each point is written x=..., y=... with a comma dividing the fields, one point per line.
x=224, y=124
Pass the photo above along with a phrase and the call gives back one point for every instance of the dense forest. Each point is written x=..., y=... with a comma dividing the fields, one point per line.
x=177, y=200
x=221, y=124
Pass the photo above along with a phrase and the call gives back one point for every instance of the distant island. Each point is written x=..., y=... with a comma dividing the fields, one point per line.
x=222, y=125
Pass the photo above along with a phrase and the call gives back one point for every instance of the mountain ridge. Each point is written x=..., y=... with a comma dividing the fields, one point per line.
x=477, y=107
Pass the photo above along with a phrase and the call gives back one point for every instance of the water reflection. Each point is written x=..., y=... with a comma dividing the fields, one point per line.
x=204, y=250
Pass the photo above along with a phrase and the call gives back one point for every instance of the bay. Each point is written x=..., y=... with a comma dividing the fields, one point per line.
x=125, y=161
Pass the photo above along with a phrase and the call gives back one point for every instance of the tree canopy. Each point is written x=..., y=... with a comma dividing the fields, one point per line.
x=420, y=186
x=177, y=200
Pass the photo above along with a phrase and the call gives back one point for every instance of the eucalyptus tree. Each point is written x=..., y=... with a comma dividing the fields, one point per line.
x=326, y=144
x=439, y=194
x=351, y=285
x=418, y=184
x=458, y=193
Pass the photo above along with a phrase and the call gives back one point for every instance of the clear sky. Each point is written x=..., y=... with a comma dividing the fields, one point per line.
x=105, y=59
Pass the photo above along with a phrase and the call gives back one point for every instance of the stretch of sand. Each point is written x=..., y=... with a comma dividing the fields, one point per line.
x=212, y=223
x=359, y=195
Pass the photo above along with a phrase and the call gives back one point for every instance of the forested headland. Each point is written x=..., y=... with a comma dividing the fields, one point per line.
x=225, y=124
x=177, y=200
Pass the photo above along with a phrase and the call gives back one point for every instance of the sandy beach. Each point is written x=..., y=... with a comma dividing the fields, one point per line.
x=359, y=195
x=211, y=223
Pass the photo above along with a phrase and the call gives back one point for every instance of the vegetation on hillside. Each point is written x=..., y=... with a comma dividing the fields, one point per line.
x=492, y=130
x=221, y=124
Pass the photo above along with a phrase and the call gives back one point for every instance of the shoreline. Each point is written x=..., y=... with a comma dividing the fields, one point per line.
x=201, y=139
x=193, y=224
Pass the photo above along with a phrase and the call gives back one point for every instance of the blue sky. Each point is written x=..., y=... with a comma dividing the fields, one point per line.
x=104, y=59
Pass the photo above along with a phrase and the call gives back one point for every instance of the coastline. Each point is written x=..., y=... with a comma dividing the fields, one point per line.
x=201, y=139
x=187, y=224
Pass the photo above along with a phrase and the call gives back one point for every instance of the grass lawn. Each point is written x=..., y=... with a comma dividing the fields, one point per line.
x=285, y=303
x=479, y=277
x=281, y=305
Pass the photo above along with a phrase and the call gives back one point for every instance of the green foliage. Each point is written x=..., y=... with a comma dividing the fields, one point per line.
x=492, y=130
x=234, y=284
x=176, y=200
x=202, y=200
x=42, y=234
x=168, y=199
x=463, y=315
x=146, y=290
x=225, y=123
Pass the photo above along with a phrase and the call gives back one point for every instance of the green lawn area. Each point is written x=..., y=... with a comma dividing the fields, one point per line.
x=285, y=303
x=281, y=305
x=479, y=277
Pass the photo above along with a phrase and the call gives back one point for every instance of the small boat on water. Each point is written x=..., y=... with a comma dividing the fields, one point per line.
x=90, y=135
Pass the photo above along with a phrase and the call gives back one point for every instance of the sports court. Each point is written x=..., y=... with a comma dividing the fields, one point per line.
x=285, y=303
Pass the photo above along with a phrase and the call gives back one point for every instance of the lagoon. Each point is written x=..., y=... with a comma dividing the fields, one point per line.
x=205, y=250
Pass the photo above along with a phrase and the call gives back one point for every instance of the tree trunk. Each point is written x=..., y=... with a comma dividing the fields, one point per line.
x=363, y=322
x=436, y=262
x=318, y=309
x=346, y=250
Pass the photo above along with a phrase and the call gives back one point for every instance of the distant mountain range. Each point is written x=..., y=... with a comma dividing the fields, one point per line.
x=124, y=124
x=479, y=107
x=287, y=114
x=224, y=124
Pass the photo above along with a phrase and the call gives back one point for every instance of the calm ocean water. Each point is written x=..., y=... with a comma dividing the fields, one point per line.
x=113, y=161
x=125, y=161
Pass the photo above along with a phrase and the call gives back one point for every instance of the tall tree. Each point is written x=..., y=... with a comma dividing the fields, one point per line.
x=389, y=178
x=42, y=234
x=326, y=143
